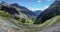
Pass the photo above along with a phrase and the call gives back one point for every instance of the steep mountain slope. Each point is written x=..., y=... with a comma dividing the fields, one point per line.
x=15, y=10
x=5, y=23
x=50, y=12
x=9, y=24
x=52, y=25
x=23, y=10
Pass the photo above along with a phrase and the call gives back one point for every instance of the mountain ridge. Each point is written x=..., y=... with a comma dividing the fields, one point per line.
x=16, y=9
x=37, y=12
x=50, y=12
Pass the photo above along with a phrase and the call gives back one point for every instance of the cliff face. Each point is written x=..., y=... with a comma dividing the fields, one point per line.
x=50, y=12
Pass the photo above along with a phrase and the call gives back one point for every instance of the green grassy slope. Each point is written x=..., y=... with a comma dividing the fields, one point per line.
x=51, y=25
x=15, y=25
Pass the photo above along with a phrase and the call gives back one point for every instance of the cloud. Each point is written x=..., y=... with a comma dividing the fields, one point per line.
x=34, y=9
x=39, y=1
x=46, y=7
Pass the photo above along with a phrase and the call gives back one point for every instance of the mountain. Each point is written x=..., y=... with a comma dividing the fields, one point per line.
x=15, y=10
x=23, y=9
x=10, y=24
x=38, y=12
x=51, y=25
x=50, y=12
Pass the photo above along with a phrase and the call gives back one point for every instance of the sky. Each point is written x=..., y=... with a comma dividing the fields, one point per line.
x=32, y=5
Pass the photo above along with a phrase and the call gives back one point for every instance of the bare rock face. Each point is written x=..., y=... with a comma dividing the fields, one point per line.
x=4, y=28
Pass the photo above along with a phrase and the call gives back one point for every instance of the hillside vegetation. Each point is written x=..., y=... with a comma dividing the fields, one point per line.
x=15, y=18
x=7, y=20
x=19, y=21
x=52, y=11
x=10, y=24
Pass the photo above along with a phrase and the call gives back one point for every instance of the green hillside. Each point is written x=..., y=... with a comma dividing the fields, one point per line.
x=20, y=24
x=50, y=24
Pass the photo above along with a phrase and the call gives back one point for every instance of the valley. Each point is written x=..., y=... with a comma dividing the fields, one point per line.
x=17, y=18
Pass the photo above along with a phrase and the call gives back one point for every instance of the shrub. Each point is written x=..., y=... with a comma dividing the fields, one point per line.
x=23, y=20
x=17, y=18
x=4, y=14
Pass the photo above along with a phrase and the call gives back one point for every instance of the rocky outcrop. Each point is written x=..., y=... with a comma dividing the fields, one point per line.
x=5, y=7
x=9, y=9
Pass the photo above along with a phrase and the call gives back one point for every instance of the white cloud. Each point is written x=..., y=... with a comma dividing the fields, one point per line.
x=34, y=9
x=39, y=1
x=46, y=7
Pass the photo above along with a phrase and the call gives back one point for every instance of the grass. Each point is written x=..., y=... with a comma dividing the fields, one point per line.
x=5, y=14
x=16, y=28
x=19, y=21
x=29, y=22
x=44, y=25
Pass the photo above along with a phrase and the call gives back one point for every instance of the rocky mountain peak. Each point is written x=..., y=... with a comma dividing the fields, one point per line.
x=4, y=3
x=15, y=4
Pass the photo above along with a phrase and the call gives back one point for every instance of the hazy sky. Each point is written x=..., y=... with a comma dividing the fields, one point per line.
x=32, y=4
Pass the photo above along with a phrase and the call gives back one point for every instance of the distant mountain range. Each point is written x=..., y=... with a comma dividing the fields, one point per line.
x=16, y=9
x=50, y=12
x=37, y=12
